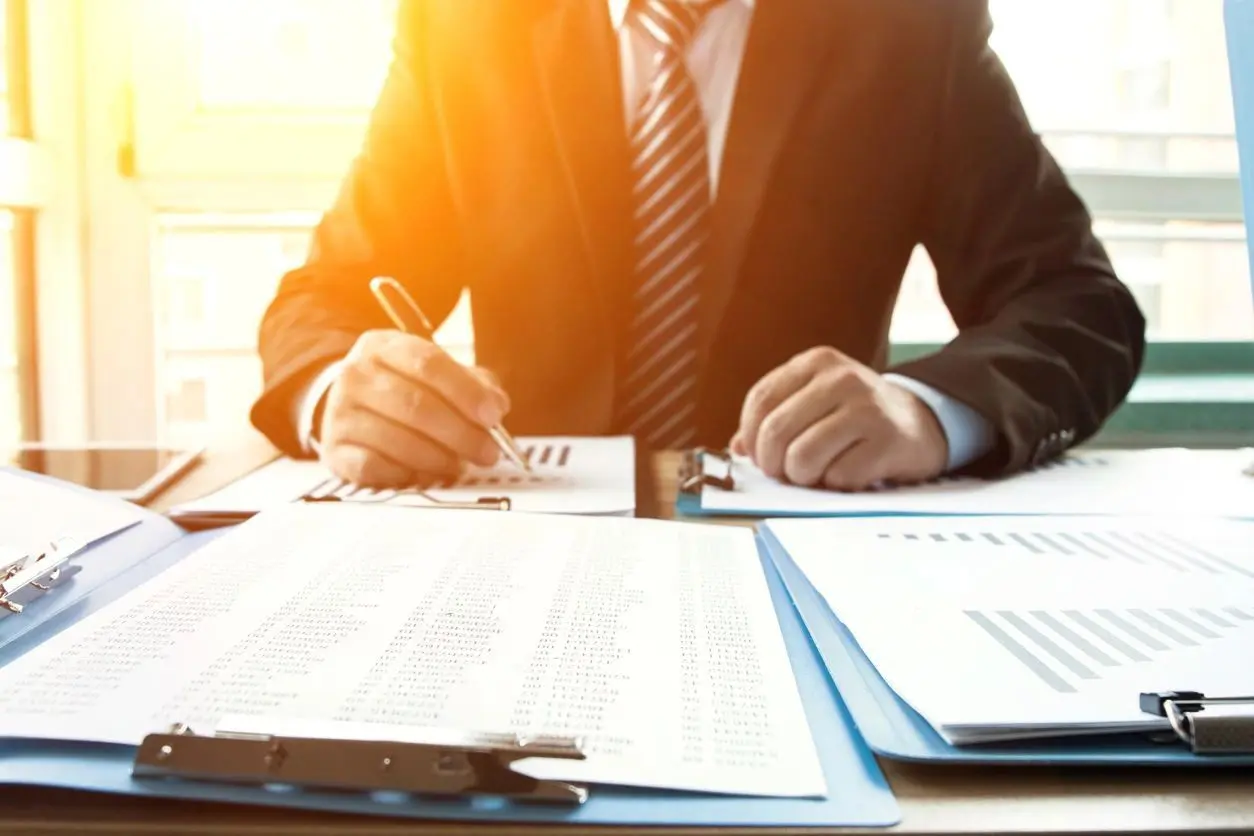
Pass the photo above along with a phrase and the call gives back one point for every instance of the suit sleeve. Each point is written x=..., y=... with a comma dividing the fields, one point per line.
x=393, y=216
x=1050, y=341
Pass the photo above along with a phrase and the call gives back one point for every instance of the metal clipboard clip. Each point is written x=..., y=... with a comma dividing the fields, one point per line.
x=442, y=762
x=337, y=490
x=1207, y=725
x=692, y=475
x=30, y=576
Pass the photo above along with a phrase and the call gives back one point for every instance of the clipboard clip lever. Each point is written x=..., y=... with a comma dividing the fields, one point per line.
x=438, y=762
x=30, y=576
x=1207, y=725
x=692, y=475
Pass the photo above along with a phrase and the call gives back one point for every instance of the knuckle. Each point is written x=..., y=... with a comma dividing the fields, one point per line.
x=354, y=376
x=417, y=401
x=425, y=362
x=754, y=401
x=833, y=382
x=799, y=465
x=771, y=433
x=822, y=356
x=370, y=343
x=346, y=461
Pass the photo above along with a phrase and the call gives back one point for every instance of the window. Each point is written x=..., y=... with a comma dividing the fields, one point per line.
x=4, y=71
x=1140, y=114
x=170, y=127
x=220, y=200
x=10, y=388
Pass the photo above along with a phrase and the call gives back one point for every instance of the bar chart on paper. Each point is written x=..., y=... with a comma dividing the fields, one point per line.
x=1164, y=482
x=1093, y=541
x=1037, y=626
x=1065, y=648
x=551, y=464
x=568, y=475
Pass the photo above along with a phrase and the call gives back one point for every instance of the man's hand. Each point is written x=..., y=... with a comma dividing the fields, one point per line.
x=825, y=420
x=402, y=411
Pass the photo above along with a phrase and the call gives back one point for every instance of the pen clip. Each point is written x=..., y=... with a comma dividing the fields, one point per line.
x=386, y=290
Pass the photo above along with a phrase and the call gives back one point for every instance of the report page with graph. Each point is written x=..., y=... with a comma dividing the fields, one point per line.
x=1175, y=481
x=1001, y=628
x=568, y=475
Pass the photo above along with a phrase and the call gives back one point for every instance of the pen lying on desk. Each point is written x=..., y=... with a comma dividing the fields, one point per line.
x=409, y=318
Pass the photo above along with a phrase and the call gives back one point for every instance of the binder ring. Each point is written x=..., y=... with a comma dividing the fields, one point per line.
x=694, y=477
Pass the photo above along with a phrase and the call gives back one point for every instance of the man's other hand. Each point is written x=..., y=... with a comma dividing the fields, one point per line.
x=825, y=420
x=403, y=412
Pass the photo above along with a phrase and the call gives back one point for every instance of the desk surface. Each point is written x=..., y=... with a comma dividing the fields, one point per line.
x=933, y=800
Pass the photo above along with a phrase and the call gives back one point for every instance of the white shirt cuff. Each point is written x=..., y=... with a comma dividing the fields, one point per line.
x=307, y=406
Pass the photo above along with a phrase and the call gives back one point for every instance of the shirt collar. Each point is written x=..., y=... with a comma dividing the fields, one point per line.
x=618, y=10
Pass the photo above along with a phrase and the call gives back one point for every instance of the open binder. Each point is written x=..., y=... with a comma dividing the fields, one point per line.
x=433, y=774
x=1201, y=736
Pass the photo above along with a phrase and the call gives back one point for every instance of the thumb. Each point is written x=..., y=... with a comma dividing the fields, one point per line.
x=737, y=445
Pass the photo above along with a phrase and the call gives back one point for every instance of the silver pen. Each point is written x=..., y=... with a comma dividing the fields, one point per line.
x=409, y=318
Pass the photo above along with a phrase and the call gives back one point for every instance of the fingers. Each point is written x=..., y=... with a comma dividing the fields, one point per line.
x=824, y=395
x=779, y=385
x=810, y=455
x=776, y=387
x=402, y=410
x=366, y=467
x=860, y=467
x=395, y=455
x=490, y=380
x=419, y=410
x=425, y=363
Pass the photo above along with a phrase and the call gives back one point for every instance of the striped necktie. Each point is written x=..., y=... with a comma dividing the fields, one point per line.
x=657, y=381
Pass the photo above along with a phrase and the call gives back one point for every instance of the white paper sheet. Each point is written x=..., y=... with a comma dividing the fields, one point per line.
x=35, y=512
x=1008, y=628
x=1177, y=482
x=656, y=641
x=570, y=476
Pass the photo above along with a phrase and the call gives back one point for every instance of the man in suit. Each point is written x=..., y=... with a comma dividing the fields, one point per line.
x=688, y=220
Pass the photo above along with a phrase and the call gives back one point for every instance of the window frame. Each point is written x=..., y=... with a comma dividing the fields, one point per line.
x=23, y=177
x=87, y=129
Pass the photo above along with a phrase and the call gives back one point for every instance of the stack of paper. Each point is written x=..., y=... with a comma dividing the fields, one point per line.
x=36, y=511
x=1138, y=482
x=656, y=642
x=998, y=628
x=595, y=476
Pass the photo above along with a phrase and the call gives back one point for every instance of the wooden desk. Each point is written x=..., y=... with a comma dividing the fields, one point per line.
x=949, y=800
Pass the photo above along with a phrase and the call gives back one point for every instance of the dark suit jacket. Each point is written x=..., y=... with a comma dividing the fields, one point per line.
x=497, y=160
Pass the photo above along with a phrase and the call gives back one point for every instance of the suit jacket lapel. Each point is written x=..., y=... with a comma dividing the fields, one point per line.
x=788, y=41
x=578, y=58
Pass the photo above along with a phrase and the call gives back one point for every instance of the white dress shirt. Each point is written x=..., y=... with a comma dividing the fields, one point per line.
x=713, y=59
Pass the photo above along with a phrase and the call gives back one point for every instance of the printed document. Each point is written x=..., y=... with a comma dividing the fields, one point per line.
x=1173, y=482
x=35, y=512
x=570, y=475
x=655, y=641
x=1000, y=628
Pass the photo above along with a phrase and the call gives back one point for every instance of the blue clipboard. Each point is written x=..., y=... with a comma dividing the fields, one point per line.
x=859, y=794
x=896, y=731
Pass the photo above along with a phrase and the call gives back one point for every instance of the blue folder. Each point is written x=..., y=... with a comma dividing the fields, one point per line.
x=896, y=731
x=859, y=795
